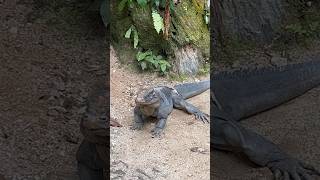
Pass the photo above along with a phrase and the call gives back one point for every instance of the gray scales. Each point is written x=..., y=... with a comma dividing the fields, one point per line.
x=158, y=102
x=241, y=94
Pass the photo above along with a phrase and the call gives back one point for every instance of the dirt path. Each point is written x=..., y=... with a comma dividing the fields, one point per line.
x=294, y=127
x=44, y=74
x=135, y=155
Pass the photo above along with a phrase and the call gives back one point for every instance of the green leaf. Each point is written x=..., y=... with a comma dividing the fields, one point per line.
x=143, y=65
x=156, y=64
x=140, y=56
x=142, y=2
x=156, y=2
x=122, y=4
x=164, y=62
x=159, y=57
x=135, y=39
x=149, y=52
x=171, y=7
x=150, y=59
x=162, y=3
x=157, y=21
x=128, y=33
x=163, y=67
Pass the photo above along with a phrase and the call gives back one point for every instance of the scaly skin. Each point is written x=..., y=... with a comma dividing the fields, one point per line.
x=91, y=155
x=238, y=95
x=159, y=102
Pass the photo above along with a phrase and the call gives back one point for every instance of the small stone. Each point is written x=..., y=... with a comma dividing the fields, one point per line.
x=13, y=30
x=309, y=3
x=54, y=93
x=278, y=61
x=236, y=64
x=82, y=110
x=42, y=157
x=61, y=86
x=58, y=108
x=52, y=112
x=62, y=153
x=201, y=150
x=190, y=123
x=194, y=149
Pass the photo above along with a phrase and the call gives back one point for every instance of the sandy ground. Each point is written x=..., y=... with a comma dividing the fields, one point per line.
x=135, y=154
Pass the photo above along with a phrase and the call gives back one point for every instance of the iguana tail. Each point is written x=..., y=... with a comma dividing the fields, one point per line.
x=189, y=90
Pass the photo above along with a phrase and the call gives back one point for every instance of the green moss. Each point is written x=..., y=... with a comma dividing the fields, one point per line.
x=149, y=38
x=204, y=70
x=195, y=31
x=302, y=27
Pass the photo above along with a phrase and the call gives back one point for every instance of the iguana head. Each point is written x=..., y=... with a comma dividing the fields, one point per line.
x=147, y=97
x=95, y=121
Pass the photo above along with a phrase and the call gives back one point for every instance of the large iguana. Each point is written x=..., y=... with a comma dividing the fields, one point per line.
x=240, y=94
x=92, y=155
x=158, y=102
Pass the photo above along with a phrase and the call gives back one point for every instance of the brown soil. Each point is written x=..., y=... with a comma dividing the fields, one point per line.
x=183, y=152
x=44, y=74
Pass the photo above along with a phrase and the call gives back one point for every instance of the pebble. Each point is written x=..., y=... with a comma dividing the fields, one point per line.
x=132, y=104
x=309, y=3
x=52, y=112
x=279, y=61
x=13, y=30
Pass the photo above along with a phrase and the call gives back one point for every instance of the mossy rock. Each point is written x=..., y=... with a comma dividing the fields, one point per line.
x=120, y=22
x=187, y=28
x=190, y=26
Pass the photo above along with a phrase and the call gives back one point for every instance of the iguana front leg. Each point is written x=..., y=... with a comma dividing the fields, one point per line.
x=158, y=129
x=229, y=135
x=180, y=103
x=90, y=164
x=138, y=120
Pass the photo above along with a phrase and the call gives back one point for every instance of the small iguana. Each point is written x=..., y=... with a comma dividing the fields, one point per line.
x=158, y=102
x=240, y=94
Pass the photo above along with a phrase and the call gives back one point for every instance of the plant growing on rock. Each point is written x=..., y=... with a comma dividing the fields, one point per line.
x=149, y=61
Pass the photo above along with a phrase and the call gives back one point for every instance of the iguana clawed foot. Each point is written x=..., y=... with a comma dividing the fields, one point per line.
x=156, y=132
x=136, y=126
x=291, y=169
x=205, y=118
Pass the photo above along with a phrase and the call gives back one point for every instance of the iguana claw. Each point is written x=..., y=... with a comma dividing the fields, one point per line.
x=156, y=132
x=291, y=169
x=202, y=116
x=137, y=126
